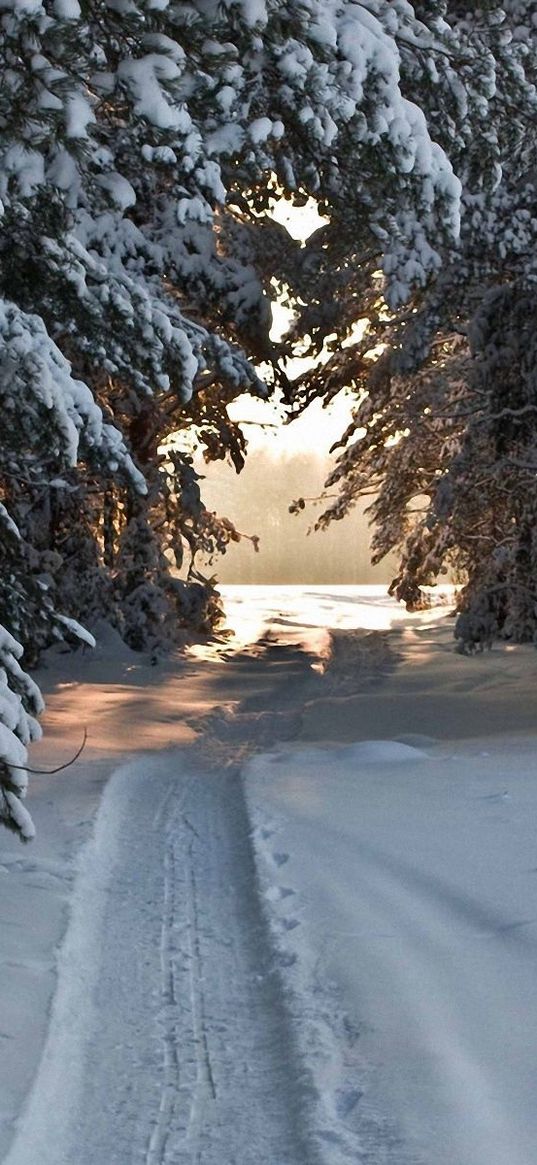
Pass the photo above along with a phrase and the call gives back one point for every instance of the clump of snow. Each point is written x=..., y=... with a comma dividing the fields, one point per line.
x=42, y=373
x=260, y=129
x=78, y=115
x=377, y=752
x=67, y=9
x=142, y=78
x=19, y=815
x=76, y=629
x=120, y=190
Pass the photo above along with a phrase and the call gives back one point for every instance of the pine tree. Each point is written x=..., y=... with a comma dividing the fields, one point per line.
x=136, y=141
x=428, y=375
x=48, y=417
x=142, y=146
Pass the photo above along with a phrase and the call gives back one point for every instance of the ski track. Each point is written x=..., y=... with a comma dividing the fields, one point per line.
x=178, y=1049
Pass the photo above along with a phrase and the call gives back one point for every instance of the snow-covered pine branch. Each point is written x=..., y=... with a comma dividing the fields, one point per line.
x=20, y=704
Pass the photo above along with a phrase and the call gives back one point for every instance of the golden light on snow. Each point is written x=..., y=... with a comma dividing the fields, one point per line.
x=297, y=615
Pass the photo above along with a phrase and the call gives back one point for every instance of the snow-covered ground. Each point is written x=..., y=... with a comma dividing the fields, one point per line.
x=282, y=911
x=402, y=883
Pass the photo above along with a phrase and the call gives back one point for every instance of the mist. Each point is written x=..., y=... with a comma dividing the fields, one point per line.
x=257, y=502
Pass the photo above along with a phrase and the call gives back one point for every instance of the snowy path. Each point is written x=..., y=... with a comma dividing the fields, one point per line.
x=169, y=1041
x=357, y=985
x=327, y=959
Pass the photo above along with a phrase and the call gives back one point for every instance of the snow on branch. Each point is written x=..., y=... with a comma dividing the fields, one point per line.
x=38, y=374
x=20, y=703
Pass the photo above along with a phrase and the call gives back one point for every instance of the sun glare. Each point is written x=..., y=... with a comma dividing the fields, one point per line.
x=299, y=221
x=315, y=431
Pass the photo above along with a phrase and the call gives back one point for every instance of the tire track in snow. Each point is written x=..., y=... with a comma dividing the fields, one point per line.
x=246, y=1096
x=176, y=1074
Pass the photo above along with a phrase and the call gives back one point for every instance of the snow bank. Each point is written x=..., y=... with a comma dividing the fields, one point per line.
x=400, y=886
x=73, y=1017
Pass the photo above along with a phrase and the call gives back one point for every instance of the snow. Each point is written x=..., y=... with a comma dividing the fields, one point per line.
x=26, y=166
x=165, y=1013
x=76, y=629
x=67, y=9
x=254, y=12
x=60, y=1069
x=292, y=887
x=8, y=523
x=412, y=892
x=142, y=77
x=20, y=815
x=63, y=173
x=17, y=728
x=120, y=190
x=259, y=129
x=40, y=370
x=11, y=749
x=79, y=115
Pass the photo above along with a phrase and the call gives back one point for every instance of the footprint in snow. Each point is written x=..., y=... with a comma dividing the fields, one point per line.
x=286, y=959
x=346, y=1100
x=278, y=893
x=280, y=859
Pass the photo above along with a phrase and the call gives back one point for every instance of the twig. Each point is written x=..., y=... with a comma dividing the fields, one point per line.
x=50, y=772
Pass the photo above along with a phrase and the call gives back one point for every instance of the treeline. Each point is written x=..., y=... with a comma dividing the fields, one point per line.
x=142, y=146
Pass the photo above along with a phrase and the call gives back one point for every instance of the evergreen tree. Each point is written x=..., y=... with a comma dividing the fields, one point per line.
x=142, y=144
x=48, y=418
x=449, y=491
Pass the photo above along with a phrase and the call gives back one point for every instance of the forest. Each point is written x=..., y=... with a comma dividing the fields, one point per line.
x=144, y=146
